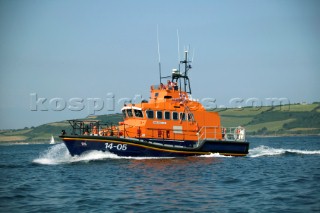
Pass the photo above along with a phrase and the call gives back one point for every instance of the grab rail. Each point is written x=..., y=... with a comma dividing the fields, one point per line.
x=221, y=133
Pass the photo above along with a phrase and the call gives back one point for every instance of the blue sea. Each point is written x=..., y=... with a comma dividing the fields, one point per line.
x=280, y=174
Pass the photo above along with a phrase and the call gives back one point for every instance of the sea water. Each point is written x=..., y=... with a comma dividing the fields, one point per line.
x=279, y=175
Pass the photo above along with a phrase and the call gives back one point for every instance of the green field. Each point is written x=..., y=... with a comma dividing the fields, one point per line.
x=285, y=120
x=297, y=119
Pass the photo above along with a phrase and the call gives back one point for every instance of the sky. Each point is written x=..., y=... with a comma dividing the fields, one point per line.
x=64, y=59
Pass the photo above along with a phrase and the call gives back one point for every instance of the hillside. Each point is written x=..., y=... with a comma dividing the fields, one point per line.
x=43, y=132
x=285, y=120
x=295, y=119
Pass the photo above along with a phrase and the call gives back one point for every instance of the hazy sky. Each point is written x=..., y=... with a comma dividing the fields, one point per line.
x=62, y=50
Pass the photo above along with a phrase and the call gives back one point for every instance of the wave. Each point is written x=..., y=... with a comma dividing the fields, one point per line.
x=269, y=151
x=13, y=143
x=214, y=155
x=59, y=154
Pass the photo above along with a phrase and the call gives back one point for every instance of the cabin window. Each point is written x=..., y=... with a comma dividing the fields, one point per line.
x=159, y=115
x=149, y=114
x=138, y=113
x=124, y=113
x=129, y=112
x=175, y=116
x=167, y=115
x=190, y=116
x=182, y=116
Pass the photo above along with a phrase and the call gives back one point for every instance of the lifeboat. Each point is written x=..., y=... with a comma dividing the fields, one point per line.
x=169, y=124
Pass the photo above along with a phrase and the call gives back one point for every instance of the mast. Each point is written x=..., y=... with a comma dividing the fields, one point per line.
x=185, y=69
x=176, y=74
x=159, y=53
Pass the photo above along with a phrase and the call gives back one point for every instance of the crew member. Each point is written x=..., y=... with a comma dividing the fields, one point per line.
x=95, y=131
x=169, y=84
x=223, y=132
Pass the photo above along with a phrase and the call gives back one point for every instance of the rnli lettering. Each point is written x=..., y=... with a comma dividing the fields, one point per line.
x=159, y=122
x=119, y=146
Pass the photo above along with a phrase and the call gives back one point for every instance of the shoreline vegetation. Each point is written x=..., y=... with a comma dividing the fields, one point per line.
x=265, y=121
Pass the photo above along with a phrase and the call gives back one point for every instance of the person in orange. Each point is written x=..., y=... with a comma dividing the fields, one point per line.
x=238, y=132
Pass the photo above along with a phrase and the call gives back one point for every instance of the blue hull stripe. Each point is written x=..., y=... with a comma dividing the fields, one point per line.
x=78, y=145
x=139, y=145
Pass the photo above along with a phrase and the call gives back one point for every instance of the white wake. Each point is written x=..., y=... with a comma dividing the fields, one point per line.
x=269, y=151
x=214, y=155
x=59, y=154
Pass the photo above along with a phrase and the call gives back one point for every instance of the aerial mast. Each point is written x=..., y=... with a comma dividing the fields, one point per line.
x=159, y=53
x=185, y=77
x=185, y=69
x=177, y=75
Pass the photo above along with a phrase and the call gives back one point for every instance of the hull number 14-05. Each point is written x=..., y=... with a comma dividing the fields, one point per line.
x=118, y=146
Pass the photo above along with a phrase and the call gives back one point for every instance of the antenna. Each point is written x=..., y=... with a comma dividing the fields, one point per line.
x=185, y=69
x=193, y=55
x=159, y=52
x=178, y=45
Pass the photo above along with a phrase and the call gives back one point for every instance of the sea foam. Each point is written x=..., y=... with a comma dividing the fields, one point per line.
x=59, y=154
x=215, y=155
x=269, y=151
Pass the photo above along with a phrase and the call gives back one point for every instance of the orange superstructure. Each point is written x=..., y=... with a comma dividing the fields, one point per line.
x=169, y=114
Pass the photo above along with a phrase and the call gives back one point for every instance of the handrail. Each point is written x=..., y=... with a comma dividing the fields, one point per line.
x=227, y=134
x=204, y=133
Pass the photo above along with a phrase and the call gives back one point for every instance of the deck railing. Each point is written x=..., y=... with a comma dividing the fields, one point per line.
x=89, y=127
x=221, y=133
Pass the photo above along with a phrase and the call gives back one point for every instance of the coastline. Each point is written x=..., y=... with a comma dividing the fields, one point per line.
x=284, y=135
x=27, y=142
x=269, y=121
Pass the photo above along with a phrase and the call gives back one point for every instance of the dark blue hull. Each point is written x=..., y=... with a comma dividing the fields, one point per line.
x=152, y=148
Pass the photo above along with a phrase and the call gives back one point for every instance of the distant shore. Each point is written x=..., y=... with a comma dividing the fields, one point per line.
x=248, y=138
x=292, y=120
x=285, y=135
